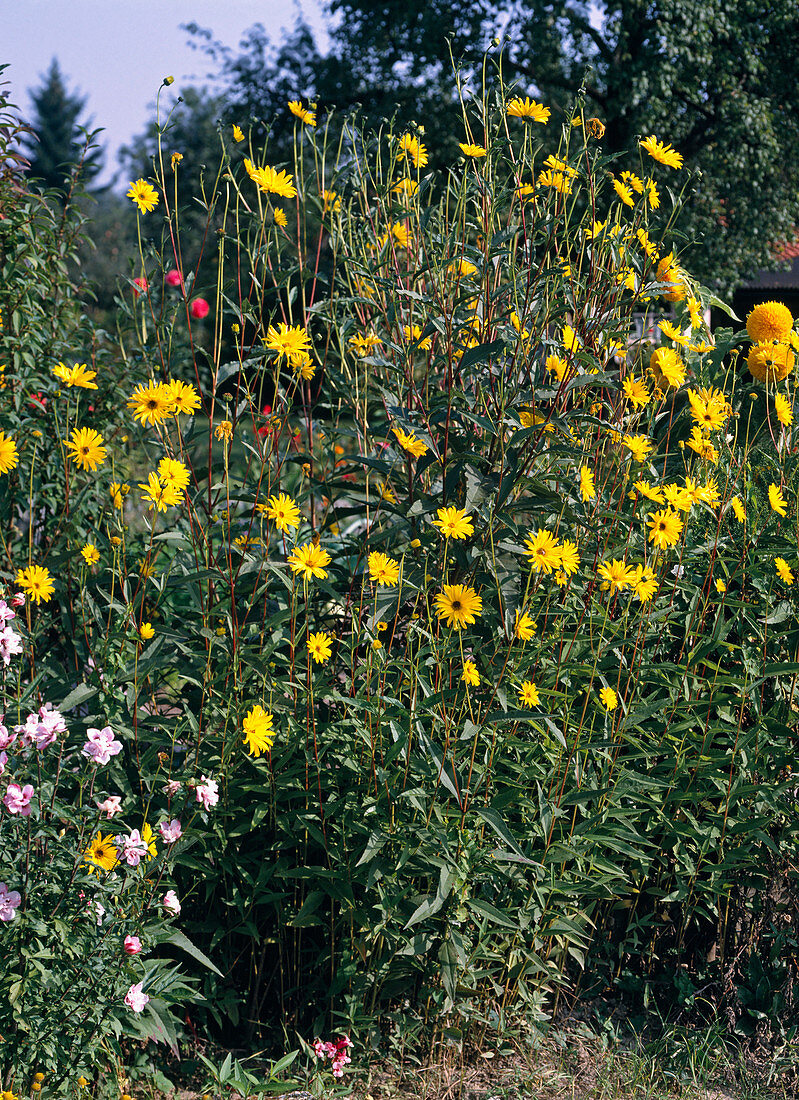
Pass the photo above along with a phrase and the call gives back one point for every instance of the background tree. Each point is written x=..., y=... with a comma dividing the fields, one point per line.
x=59, y=142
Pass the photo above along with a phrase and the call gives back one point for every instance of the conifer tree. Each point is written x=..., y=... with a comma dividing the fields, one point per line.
x=58, y=143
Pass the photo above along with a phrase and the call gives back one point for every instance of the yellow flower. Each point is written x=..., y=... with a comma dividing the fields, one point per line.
x=288, y=341
x=694, y=311
x=470, y=150
x=709, y=409
x=524, y=628
x=636, y=392
x=770, y=362
x=665, y=528
x=737, y=506
x=569, y=557
x=543, y=551
x=608, y=698
x=363, y=344
x=777, y=501
x=383, y=570
x=459, y=605
x=144, y=195
x=283, y=510
x=528, y=110
x=331, y=201
x=270, y=181
x=152, y=403
x=587, y=485
x=300, y=112
x=157, y=494
x=146, y=631
x=678, y=497
x=175, y=160
x=309, y=560
x=410, y=443
x=280, y=217
x=638, y=446
x=401, y=234
x=666, y=364
x=624, y=192
x=673, y=333
x=453, y=523
x=644, y=582
x=559, y=181
x=673, y=276
x=662, y=153
x=77, y=375
x=238, y=133
x=174, y=473
x=721, y=587
x=405, y=187
x=377, y=644
x=185, y=398
x=652, y=194
x=414, y=150
x=783, y=409
x=83, y=1082
x=528, y=694
x=148, y=837
x=470, y=675
x=102, y=852
x=86, y=447
x=769, y=321
x=224, y=430
x=37, y=582
x=9, y=456
x=634, y=182
x=784, y=570
x=616, y=575
x=571, y=341
x=320, y=647
x=702, y=445
x=651, y=492
x=259, y=735
x=557, y=365
x=90, y=553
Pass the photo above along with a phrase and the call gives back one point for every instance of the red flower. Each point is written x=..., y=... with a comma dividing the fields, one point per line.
x=199, y=308
x=140, y=285
x=173, y=277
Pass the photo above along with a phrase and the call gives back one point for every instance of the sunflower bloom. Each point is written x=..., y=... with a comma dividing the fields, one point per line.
x=409, y=442
x=587, y=484
x=665, y=528
x=638, y=446
x=283, y=511
x=777, y=501
x=453, y=523
x=185, y=398
x=383, y=570
x=636, y=392
x=624, y=193
x=666, y=364
x=300, y=112
x=174, y=473
x=616, y=575
x=784, y=410
x=608, y=698
x=86, y=448
x=152, y=403
x=309, y=561
x=470, y=150
x=412, y=148
x=524, y=627
x=470, y=675
x=651, y=492
x=737, y=506
x=769, y=321
x=78, y=375
x=320, y=647
x=144, y=195
x=90, y=553
x=270, y=181
x=9, y=456
x=259, y=735
x=569, y=557
x=770, y=362
x=784, y=570
x=102, y=852
x=543, y=551
x=662, y=153
x=528, y=110
x=36, y=581
x=645, y=583
x=288, y=341
x=528, y=694
x=459, y=605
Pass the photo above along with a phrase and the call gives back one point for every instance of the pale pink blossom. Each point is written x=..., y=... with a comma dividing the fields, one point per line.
x=172, y=787
x=17, y=799
x=100, y=745
x=3, y=761
x=9, y=902
x=18, y=599
x=136, y=999
x=42, y=727
x=170, y=903
x=99, y=910
x=207, y=792
x=6, y=739
x=10, y=644
x=132, y=945
x=111, y=805
x=132, y=848
x=170, y=831
x=6, y=614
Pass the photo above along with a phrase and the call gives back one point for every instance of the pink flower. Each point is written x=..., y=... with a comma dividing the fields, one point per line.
x=101, y=745
x=170, y=903
x=172, y=787
x=207, y=792
x=173, y=277
x=18, y=599
x=140, y=285
x=6, y=739
x=6, y=614
x=319, y=1048
x=170, y=831
x=99, y=909
x=132, y=945
x=9, y=902
x=133, y=849
x=199, y=308
x=135, y=999
x=18, y=799
x=42, y=727
x=3, y=761
x=111, y=806
x=10, y=644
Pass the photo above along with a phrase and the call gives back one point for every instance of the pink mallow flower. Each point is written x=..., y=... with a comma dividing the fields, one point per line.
x=170, y=831
x=17, y=799
x=6, y=614
x=10, y=644
x=170, y=903
x=18, y=599
x=131, y=945
x=172, y=787
x=111, y=805
x=100, y=745
x=9, y=902
x=207, y=792
x=136, y=999
x=3, y=761
x=133, y=849
x=42, y=727
x=6, y=739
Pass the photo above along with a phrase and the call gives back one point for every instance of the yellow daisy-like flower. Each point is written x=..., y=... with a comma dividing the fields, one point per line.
x=528, y=110
x=666, y=364
x=694, y=311
x=636, y=392
x=146, y=631
x=270, y=181
x=769, y=321
x=309, y=561
x=645, y=583
x=37, y=582
x=362, y=345
x=651, y=492
x=453, y=523
x=721, y=587
x=784, y=410
x=571, y=341
x=224, y=430
x=770, y=362
x=405, y=187
x=608, y=698
x=459, y=605
x=76, y=375
x=665, y=528
x=118, y=492
x=673, y=276
x=152, y=403
x=709, y=409
x=543, y=551
x=302, y=113
x=634, y=182
x=470, y=675
x=702, y=445
x=652, y=194
x=737, y=506
x=158, y=494
x=283, y=511
x=331, y=202
x=238, y=133
x=616, y=575
x=557, y=365
x=102, y=852
x=639, y=446
x=784, y=570
x=144, y=195
x=259, y=736
x=470, y=150
x=673, y=333
x=90, y=553
x=174, y=473
x=777, y=501
x=185, y=398
x=569, y=557
x=280, y=217
x=383, y=570
x=662, y=153
x=678, y=497
x=86, y=448
x=624, y=192
x=320, y=647
x=558, y=181
x=528, y=694
x=524, y=627
x=288, y=341
x=412, y=148
x=409, y=443
x=9, y=456
x=587, y=484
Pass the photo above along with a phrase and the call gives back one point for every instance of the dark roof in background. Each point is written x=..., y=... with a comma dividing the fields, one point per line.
x=786, y=279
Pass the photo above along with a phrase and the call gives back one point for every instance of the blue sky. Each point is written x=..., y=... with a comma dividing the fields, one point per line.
x=117, y=52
